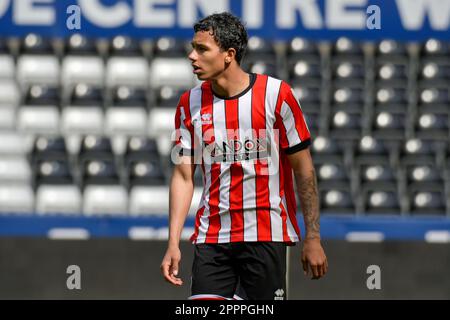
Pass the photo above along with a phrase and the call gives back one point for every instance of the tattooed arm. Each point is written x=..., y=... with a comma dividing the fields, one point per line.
x=313, y=255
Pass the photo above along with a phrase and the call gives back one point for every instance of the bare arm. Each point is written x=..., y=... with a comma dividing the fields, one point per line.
x=305, y=177
x=180, y=197
x=313, y=255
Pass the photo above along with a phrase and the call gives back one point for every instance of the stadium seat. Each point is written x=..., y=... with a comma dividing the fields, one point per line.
x=347, y=47
x=100, y=200
x=161, y=127
x=7, y=66
x=392, y=71
x=374, y=151
x=37, y=69
x=435, y=48
x=309, y=97
x=49, y=148
x=301, y=69
x=260, y=57
x=170, y=47
x=14, y=169
x=348, y=70
x=125, y=46
x=84, y=94
x=391, y=48
x=430, y=200
x=141, y=147
x=58, y=199
x=82, y=69
x=175, y=72
x=10, y=96
x=346, y=124
x=38, y=94
x=381, y=198
x=124, y=96
x=125, y=121
x=13, y=143
x=145, y=172
x=77, y=44
x=95, y=148
x=133, y=71
x=336, y=200
x=7, y=118
x=261, y=67
x=16, y=198
x=435, y=70
x=324, y=147
x=82, y=120
x=52, y=172
x=149, y=200
x=300, y=47
x=435, y=96
x=331, y=171
x=389, y=124
x=168, y=96
x=38, y=119
x=349, y=95
x=391, y=98
x=421, y=151
x=432, y=125
x=154, y=200
x=99, y=172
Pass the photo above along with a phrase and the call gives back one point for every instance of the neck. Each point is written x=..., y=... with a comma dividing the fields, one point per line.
x=231, y=82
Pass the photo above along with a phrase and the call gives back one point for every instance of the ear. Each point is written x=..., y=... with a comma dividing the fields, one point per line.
x=230, y=55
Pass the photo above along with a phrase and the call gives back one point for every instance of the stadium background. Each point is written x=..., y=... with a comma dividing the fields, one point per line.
x=86, y=116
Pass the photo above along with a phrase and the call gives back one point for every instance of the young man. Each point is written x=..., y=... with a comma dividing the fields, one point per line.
x=247, y=133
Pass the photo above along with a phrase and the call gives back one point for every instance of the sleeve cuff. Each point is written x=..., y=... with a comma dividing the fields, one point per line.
x=186, y=152
x=298, y=147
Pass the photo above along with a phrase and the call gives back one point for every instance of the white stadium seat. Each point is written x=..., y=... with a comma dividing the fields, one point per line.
x=154, y=200
x=105, y=200
x=7, y=118
x=64, y=199
x=161, y=120
x=128, y=121
x=16, y=198
x=9, y=94
x=38, y=119
x=6, y=66
x=14, y=169
x=89, y=70
x=149, y=200
x=161, y=127
x=82, y=120
x=172, y=72
x=13, y=143
x=131, y=71
x=38, y=69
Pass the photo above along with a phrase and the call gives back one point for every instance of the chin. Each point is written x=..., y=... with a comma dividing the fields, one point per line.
x=202, y=77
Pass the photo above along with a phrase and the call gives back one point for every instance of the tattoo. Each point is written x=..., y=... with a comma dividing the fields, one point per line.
x=309, y=201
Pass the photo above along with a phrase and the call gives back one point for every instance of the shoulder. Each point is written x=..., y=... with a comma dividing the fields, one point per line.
x=275, y=86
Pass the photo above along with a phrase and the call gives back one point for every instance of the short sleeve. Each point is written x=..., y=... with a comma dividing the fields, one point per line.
x=183, y=127
x=294, y=131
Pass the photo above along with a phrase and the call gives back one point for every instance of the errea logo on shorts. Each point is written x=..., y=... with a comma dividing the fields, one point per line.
x=279, y=294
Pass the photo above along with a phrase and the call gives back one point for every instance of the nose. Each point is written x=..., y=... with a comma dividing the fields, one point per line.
x=192, y=55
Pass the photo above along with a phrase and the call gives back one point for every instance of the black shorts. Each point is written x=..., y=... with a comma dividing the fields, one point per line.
x=244, y=270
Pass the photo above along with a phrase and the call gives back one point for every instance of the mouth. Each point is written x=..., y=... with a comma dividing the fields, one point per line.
x=196, y=69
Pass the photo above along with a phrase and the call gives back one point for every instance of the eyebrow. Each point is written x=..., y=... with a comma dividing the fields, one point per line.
x=193, y=44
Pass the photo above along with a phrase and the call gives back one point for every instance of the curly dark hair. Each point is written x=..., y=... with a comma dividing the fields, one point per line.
x=227, y=30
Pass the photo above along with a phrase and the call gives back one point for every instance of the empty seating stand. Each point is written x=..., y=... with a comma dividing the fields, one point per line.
x=86, y=124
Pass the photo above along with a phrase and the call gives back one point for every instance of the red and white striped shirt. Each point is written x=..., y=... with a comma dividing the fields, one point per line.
x=242, y=142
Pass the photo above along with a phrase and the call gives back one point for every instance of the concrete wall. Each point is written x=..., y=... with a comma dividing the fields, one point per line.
x=35, y=268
